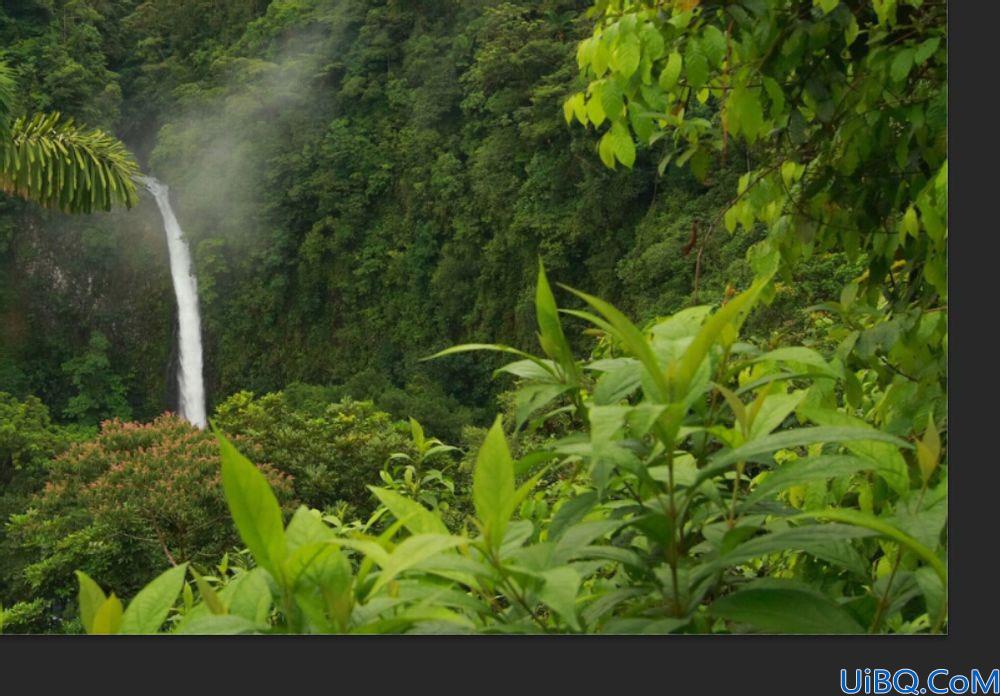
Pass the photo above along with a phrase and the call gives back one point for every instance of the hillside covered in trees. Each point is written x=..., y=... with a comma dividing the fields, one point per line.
x=746, y=432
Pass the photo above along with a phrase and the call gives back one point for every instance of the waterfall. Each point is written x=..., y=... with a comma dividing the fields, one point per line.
x=189, y=375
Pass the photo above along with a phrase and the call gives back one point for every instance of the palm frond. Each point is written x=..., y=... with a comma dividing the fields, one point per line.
x=57, y=164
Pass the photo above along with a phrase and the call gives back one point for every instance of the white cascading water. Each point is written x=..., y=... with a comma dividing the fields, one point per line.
x=189, y=377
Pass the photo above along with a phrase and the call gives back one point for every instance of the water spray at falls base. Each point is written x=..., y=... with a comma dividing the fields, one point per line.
x=190, y=382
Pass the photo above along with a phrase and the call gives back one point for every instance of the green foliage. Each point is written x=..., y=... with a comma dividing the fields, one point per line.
x=254, y=508
x=429, y=476
x=363, y=183
x=100, y=392
x=332, y=451
x=22, y=617
x=842, y=110
x=27, y=436
x=50, y=161
x=675, y=527
x=28, y=439
x=132, y=501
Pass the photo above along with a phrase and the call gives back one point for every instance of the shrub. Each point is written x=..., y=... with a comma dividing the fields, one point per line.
x=331, y=450
x=100, y=391
x=28, y=439
x=136, y=499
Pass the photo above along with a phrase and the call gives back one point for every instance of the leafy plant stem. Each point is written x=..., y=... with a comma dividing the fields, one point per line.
x=883, y=602
x=512, y=589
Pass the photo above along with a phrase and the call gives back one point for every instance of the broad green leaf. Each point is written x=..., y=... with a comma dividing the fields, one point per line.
x=581, y=535
x=844, y=554
x=631, y=337
x=800, y=437
x=852, y=31
x=529, y=398
x=425, y=613
x=772, y=412
x=600, y=58
x=862, y=519
x=793, y=539
x=254, y=508
x=926, y=50
x=923, y=518
x=884, y=453
x=570, y=106
x=412, y=551
x=108, y=617
x=681, y=373
x=531, y=370
x=929, y=449
x=605, y=148
x=935, y=597
x=559, y=592
x=91, y=597
x=745, y=113
x=798, y=355
x=801, y=471
x=493, y=484
x=306, y=527
x=625, y=57
x=218, y=624
x=595, y=109
x=249, y=595
x=417, y=432
x=910, y=225
x=789, y=171
x=612, y=99
x=553, y=339
x=671, y=71
x=775, y=609
x=696, y=66
x=584, y=50
x=901, y=64
x=635, y=625
x=622, y=144
x=642, y=125
x=683, y=324
x=371, y=548
x=642, y=418
x=518, y=532
x=736, y=406
x=652, y=41
x=455, y=567
x=466, y=347
x=797, y=437
x=617, y=383
x=580, y=108
x=415, y=517
x=699, y=164
x=713, y=44
x=606, y=603
x=571, y=512
x=323, y=583
x=208, y=594
x=149, y=608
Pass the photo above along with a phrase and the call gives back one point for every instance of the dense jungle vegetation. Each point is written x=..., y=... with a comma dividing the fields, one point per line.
x=681, y=265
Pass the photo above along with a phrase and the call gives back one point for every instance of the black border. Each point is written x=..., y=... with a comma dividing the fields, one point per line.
x=665, y=664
